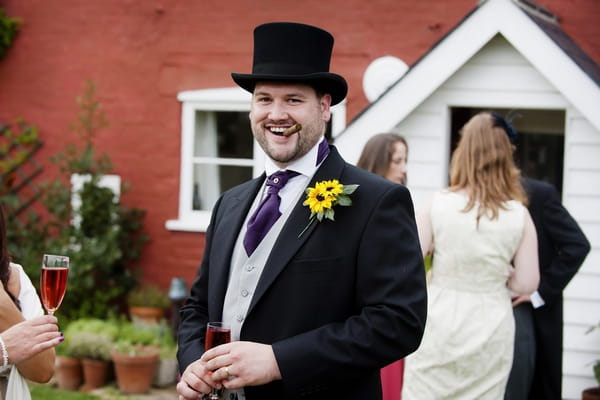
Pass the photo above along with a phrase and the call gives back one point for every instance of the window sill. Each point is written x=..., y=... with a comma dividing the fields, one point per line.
x=196, y=223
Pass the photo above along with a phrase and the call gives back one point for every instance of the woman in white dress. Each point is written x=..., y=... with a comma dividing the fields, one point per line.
x=484, y=246
x=18, y=302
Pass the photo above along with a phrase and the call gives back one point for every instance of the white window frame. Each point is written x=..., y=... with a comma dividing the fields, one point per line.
x=221, y=99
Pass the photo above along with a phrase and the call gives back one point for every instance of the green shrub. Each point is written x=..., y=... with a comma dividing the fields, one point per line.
x=147, y=295
x=135, y=339
x=105, y=243
x=95, y=346
x=9, y=27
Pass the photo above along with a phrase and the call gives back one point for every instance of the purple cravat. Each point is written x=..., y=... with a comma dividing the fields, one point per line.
x=267, y=212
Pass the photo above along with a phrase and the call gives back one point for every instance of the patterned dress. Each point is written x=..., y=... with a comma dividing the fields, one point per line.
x=467, y=348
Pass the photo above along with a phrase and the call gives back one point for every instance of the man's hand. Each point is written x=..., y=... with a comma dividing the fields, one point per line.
x=239, y=364
x=520, y=299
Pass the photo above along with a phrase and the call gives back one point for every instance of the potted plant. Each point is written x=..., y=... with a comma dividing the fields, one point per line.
x=147, y=303
x=91, y=341
x=135, y=357
x=593, y=393
x=67, y=368
x=94, y=351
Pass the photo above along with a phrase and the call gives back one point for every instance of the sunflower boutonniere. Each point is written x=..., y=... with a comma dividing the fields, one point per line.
x=321, y=199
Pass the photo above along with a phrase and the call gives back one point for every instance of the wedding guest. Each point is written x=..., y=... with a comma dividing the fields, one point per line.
x=18, y=302
x=536, y=372
x=318, y=304
x=484, y=247
x=386, y=155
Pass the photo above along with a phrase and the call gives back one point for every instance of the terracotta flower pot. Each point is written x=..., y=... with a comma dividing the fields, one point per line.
x=95, y=373
x=591, y=394
x=68, y=372
x=149, y=315
x=135, y=373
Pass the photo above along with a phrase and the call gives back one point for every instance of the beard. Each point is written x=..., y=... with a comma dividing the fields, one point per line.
x=305, y=140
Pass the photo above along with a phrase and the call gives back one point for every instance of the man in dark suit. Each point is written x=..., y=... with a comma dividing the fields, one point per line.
x=562, y=247
x=319, y=305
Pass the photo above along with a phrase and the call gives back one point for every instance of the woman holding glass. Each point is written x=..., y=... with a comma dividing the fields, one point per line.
x=18, y=302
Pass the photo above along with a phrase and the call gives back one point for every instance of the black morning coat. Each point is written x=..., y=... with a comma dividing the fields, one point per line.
x=339, y=302
x=562, y=248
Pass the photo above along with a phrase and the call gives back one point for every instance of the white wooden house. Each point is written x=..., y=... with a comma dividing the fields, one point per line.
x=504, y=56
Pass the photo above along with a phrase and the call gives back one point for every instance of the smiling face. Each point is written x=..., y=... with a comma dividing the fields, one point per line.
x=277, y=106
x=397, y=168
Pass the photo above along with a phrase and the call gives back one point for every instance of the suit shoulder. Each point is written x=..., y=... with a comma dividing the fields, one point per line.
x=539, y=190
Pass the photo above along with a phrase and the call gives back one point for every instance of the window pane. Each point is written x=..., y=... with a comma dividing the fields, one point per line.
x=211, y=180
x=223, y=134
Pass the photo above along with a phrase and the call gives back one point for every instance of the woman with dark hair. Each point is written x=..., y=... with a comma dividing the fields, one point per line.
x=385, y=154
x=484, y=248
x=18, y=302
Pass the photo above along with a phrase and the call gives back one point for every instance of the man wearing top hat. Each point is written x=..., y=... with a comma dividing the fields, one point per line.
x=316, y=305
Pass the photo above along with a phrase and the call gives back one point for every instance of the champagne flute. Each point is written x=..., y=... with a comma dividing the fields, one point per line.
x=217, y=333
x=53, y=282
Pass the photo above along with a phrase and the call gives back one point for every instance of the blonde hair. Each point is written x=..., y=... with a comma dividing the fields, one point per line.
x=483, y=166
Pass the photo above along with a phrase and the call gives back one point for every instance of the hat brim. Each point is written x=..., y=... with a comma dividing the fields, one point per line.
x=326, y=82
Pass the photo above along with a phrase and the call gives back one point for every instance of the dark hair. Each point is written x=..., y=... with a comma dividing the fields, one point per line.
x=5, y=257
x=377, y=153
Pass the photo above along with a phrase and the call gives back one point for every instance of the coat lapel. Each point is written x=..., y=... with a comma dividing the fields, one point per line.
x=288, y=242
x=233, y=216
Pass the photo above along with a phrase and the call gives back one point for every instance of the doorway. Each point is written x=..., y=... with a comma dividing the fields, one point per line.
x=541, y=140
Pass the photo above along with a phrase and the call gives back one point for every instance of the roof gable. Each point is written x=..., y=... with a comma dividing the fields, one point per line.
x=528, y=35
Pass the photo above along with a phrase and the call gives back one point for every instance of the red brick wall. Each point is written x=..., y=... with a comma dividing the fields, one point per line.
x=142, y=53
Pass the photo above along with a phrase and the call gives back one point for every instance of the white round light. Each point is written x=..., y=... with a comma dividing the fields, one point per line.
x=381, y=74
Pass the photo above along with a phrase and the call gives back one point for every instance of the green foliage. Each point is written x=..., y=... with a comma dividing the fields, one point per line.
x=17, y=144
x=166, y=340
x=596, y=364
x=90, y=119
x=9, y=27
x=102, y=242
x=95, y=346
x=89, y=338
x=136, y=334
x=136, y=339
x=147, y=295
x=108, y=327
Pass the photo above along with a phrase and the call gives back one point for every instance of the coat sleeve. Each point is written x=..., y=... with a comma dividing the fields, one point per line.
x=563, y=245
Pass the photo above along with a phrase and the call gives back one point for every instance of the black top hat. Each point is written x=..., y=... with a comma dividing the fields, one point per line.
x=293, y=52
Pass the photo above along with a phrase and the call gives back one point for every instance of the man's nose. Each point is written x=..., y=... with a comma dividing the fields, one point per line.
x=278, y=111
